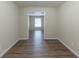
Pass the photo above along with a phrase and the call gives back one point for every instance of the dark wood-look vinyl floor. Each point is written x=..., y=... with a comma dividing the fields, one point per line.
x=37, y=47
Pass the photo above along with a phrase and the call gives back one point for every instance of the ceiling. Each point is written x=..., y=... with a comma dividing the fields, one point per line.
x=39, y=3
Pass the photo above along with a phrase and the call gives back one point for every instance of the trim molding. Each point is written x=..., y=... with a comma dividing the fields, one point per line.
x=23, y=39
x=50, y=38
x=69, y=48
x=8, y=48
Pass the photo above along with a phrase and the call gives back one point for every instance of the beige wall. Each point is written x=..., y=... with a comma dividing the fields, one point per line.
x=68, y=24
x=8, y=25
x=49, y=25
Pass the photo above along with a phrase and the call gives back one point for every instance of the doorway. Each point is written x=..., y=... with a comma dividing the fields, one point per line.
x=36, y=27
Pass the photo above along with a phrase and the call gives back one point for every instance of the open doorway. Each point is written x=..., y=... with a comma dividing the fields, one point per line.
x=36, y=27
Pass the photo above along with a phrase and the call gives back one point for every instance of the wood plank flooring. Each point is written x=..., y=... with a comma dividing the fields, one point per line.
x=37, y=47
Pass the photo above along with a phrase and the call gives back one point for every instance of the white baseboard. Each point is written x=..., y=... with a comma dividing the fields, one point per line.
x=50, y=38
x=23, y=39
x=8, y=48
x=69, y=48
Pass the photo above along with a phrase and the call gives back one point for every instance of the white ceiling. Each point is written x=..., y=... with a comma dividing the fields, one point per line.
x=39, y=3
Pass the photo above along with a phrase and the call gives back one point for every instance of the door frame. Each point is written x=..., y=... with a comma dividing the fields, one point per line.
x=29, y=26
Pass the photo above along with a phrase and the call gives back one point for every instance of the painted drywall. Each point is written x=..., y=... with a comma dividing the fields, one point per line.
x=8, y=25
x=49, y=21
x=68, y=25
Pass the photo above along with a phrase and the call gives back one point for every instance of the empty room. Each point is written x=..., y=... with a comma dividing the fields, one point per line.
x=39, y=29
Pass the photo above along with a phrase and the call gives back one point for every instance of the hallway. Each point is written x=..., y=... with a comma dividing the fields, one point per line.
x=37, y=47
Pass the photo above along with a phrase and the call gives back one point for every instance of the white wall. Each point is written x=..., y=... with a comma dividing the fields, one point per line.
x=50, y=21
x=8, y=25
x=68, y=24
